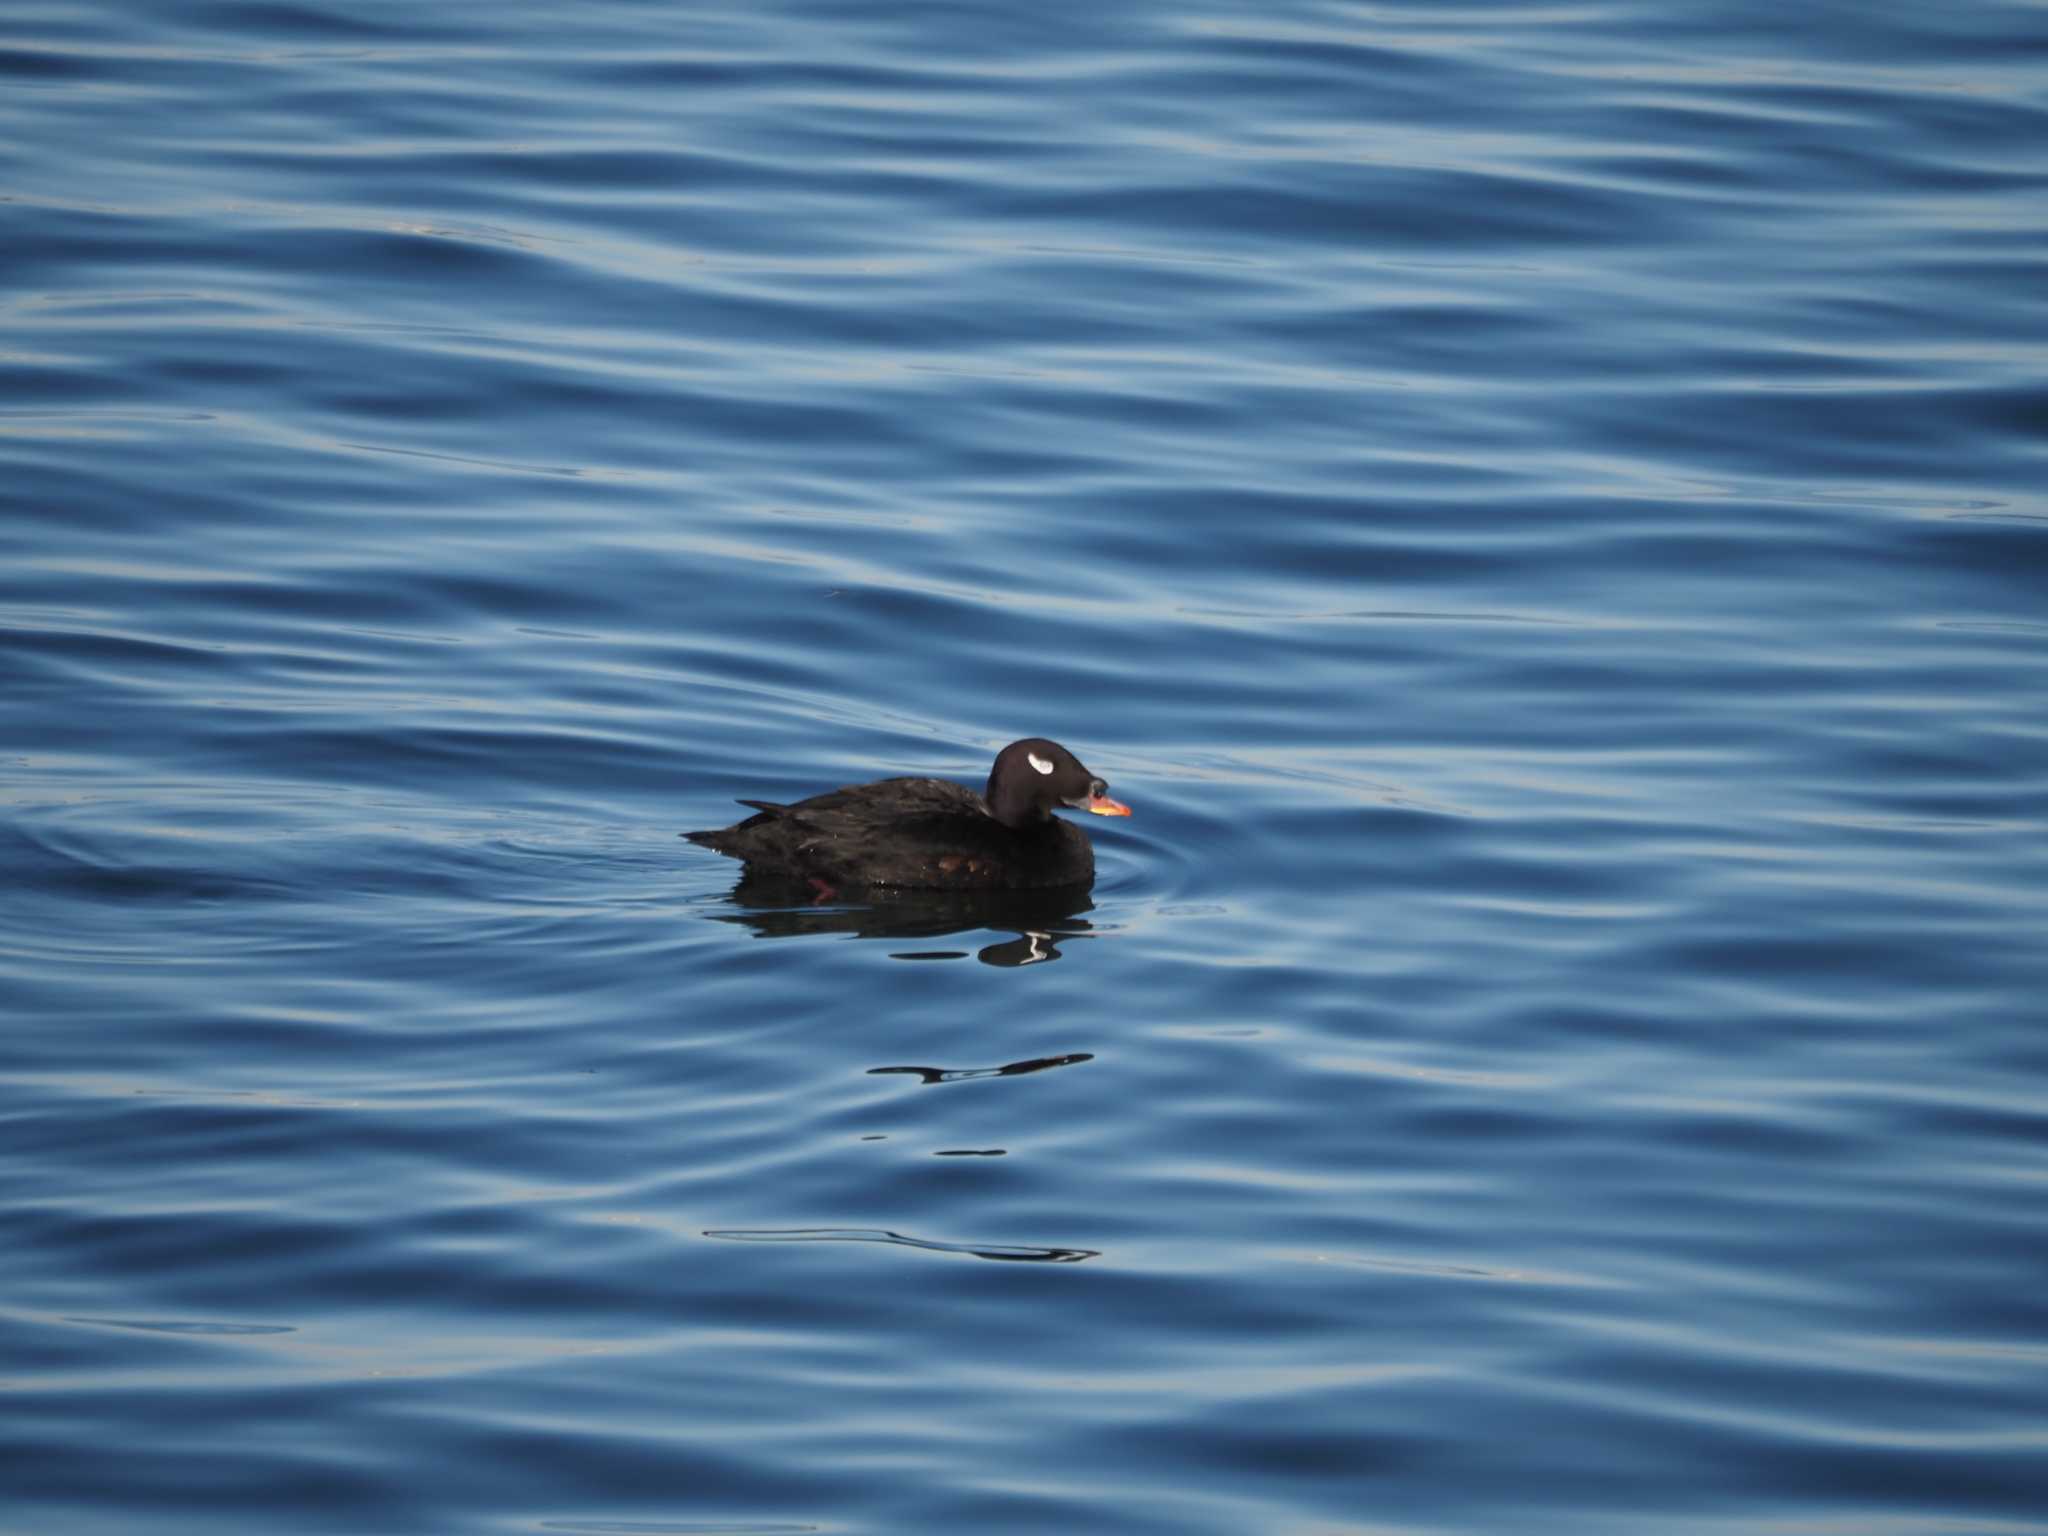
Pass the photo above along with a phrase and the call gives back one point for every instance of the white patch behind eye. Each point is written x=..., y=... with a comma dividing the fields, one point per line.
x=1038, y=762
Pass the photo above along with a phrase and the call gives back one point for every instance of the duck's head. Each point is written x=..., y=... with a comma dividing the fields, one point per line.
x=1034, y=777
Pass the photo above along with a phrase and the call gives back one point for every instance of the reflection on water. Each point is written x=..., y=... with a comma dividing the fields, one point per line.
x=932, y=1075
x=1011, y=1252
x=778, y=908
x=221, y=1330
x=672, y=1528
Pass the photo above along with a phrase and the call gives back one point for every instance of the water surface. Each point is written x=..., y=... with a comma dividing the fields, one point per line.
x=1538, y=509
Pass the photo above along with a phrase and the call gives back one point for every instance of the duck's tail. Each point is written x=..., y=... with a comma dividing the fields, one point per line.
x=716, y=837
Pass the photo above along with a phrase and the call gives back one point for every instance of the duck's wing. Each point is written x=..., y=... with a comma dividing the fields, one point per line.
x=842, y=833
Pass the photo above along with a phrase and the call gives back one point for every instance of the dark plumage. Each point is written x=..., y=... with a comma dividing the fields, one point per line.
x=931, y=834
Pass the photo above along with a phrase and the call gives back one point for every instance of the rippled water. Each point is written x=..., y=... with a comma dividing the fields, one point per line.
x=1539, y=509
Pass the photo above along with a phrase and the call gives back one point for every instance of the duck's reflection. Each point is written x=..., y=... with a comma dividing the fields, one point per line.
x=1011, y=1252
x=934, y=1075
x=1040, y=920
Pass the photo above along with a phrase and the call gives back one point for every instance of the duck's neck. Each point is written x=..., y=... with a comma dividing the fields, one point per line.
x=1018, y=814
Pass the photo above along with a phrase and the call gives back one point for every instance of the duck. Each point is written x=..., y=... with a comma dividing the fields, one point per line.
x=931, y=834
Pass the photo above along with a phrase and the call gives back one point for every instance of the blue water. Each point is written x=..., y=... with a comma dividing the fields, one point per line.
x=1542, y=510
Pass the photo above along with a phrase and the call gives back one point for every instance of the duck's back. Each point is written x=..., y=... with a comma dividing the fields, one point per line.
x=924, y=833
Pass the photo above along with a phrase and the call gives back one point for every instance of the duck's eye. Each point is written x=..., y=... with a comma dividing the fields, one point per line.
x=1043, y=765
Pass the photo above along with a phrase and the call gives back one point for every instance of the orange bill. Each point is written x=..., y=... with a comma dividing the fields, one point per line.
x=1102, y=805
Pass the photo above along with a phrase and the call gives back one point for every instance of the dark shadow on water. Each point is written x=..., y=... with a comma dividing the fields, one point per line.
x=672, y=1528
x=1040, y=920
x=1015, y=1253
x=930, y=1075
